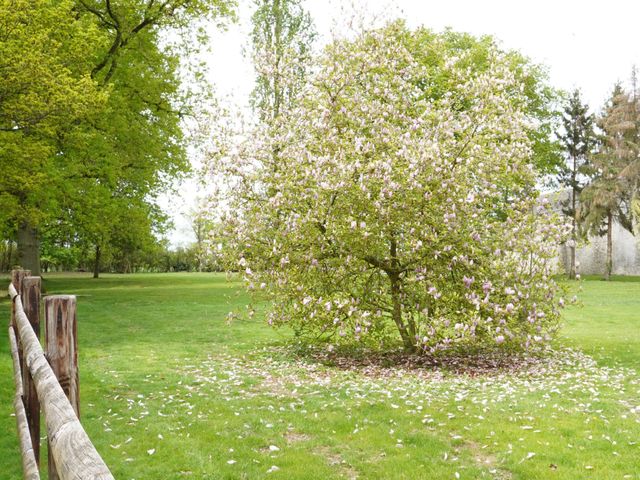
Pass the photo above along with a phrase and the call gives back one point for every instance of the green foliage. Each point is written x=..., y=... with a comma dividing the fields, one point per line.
x=45, y=88
x=94, y=112
x=534, y=96
x=282, y=36
x=184, y=259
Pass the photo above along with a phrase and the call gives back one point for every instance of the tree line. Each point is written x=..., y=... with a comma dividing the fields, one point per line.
x=602, y=169
x=390, y=186
x=92, y=109
x=60, y=255
x=94, y=102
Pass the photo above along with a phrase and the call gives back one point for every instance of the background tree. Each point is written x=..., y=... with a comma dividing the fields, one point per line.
x=632, y=171
x=45, y=89
x=282, y=39
x=608, y=198
x=201, y=226
x=537, y=99
x=7, y=255
x=578, y=139
x=400, y=206
x=132, y=144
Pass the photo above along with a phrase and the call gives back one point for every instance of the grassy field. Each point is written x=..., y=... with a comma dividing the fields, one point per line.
x=170, y=390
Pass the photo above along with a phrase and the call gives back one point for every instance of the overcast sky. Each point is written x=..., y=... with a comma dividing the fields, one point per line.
x=587, y=44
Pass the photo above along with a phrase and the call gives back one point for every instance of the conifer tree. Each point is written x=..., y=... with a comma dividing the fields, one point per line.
x=632, y=171
x=608, y=198
x=578, y=140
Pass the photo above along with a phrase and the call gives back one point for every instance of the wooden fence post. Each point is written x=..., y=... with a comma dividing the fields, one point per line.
x=31, y=304
x=61, y=342
x=16, y=280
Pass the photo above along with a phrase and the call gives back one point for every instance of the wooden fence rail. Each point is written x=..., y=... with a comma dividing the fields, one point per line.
x=29, y=463
x=73, y=455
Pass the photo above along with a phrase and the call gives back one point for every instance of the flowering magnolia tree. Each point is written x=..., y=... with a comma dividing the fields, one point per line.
x=382, y=209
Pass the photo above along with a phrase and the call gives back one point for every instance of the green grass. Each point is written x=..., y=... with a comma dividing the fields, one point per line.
x=607, y=324
x=171, y=390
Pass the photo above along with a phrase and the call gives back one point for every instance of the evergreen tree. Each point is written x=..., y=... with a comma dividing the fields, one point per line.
x=632, y=171
x=578, y=140
x=608, y=198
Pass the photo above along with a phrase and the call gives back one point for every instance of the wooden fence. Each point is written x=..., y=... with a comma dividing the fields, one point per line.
x=49, y=382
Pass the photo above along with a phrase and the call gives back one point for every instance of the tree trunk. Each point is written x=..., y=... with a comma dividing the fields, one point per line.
x=12, y=251
x=407, y=334
x=609, y=266
x=96, y=263
x=407, y=340
x=572, y=248
x=277, y=41
x=572, y=260
x=6, y=257
x=29, y=249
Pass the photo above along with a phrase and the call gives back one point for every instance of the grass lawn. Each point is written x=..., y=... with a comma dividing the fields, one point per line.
x=170, y=390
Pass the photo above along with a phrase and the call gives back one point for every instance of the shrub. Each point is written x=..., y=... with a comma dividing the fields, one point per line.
x=384, y=206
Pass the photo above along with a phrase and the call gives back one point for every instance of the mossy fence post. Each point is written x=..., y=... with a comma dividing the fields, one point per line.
x=30, y=295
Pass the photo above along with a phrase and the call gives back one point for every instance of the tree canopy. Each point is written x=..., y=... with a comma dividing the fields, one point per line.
x=91, y=108
x=45, y=88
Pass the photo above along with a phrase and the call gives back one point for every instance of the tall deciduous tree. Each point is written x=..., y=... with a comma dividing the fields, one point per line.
x=578, y=139
x=133, y=142
x=608, y=198
x=45, y=89
x=282, y=39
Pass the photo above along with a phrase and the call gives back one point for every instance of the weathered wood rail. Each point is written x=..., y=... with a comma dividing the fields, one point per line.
x=49, y=382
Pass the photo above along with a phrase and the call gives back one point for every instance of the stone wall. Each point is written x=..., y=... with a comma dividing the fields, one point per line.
x=591, y=256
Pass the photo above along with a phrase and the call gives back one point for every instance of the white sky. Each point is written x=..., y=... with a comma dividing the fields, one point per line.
x=587, y=44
